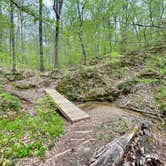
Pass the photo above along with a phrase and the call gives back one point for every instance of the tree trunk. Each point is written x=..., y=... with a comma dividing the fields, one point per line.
x=41, y=35
x=57, y=44
x=81, y=15
x=12, y=38
x=57, y=9
x=82, y=45
x=22, y=35
x=110, y=35
x=1, y=33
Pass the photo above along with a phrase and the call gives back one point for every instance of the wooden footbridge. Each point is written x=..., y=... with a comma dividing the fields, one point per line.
x=70, y=111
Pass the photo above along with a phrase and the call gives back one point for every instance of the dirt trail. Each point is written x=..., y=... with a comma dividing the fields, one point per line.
x=81, y=139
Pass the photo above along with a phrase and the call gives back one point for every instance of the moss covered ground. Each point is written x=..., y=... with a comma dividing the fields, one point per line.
x=24, y=134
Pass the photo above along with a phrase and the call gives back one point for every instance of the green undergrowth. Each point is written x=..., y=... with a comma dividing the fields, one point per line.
x=154, y=73
x=118, y=73
x=156, y=64
x=25, y=86
x=9, y=102
x=2, y=89
x=147, y=80
x=115, y=57
x=30, y=135
x=126, y=86
x=14, y=76
x=88, y=84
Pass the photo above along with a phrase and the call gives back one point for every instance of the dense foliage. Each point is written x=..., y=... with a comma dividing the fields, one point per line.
x=9, y=102
x=30, y=135
x=87, y=28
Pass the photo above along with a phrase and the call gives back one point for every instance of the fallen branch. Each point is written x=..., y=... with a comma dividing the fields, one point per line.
x=112, y=153
x=151, y=114
x=86, y=142
x=156, y=115
x=63, y=153
x=73, y=149
x=29, y=11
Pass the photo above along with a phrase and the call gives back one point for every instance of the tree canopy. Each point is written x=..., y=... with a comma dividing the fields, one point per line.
x=72, y=32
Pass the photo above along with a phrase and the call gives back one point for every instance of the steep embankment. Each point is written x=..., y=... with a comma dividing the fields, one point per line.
x=135, y=81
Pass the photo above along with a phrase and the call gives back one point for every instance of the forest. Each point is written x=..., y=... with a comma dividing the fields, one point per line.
x=82, y=82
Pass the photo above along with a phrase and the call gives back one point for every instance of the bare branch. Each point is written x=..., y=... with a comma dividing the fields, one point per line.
x=28, y=11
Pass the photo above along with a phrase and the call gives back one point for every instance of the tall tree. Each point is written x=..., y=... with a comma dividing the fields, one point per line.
x=22, y=33
x=41, y=35
x=1, y=34
x=12, y=38
x=89, y=28
x=80, y=9
x=58, y=10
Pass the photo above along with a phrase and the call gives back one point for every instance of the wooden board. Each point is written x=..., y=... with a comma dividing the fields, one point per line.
x=70, y=111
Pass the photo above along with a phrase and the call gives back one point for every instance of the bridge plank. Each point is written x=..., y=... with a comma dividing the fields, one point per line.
x=70, y=111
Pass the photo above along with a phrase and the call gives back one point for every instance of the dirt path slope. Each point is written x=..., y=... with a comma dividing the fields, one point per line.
x=82, y=139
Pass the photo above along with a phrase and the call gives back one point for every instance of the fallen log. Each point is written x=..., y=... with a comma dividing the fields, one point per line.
x=112, y=153
x=155, y=115
x=126, y=150
x=150, y=114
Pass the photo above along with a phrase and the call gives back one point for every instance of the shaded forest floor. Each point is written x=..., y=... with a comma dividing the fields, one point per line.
x=135, y=82
x=77, y=146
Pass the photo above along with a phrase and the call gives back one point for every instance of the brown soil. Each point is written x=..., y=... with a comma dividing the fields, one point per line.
x=82, y=139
